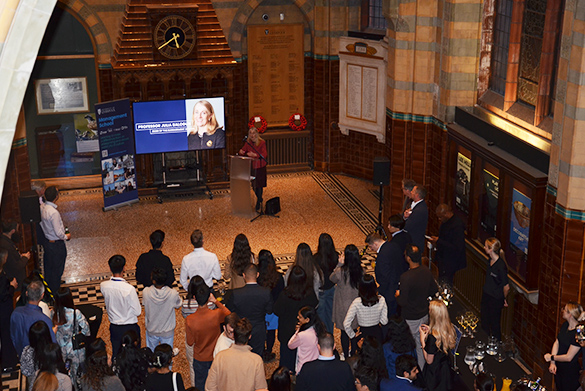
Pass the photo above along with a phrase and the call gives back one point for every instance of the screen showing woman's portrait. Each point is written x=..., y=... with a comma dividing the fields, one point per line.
x=205, y=122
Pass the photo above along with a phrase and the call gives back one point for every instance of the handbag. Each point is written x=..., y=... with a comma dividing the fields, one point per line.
x=79, y=340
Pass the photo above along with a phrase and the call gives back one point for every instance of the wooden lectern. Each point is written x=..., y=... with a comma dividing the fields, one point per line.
x=240, y=185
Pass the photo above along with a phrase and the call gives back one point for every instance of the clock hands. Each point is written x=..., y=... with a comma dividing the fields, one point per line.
x=175, y=38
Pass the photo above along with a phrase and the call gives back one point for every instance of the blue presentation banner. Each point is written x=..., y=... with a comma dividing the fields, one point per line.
x=115, y=129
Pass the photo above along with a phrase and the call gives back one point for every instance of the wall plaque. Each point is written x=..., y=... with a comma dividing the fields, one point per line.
x=276, y=72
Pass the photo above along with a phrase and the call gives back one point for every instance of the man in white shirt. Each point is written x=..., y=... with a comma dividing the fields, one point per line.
x=122, y=304
x=55, y=249
x=199, y=263
x=226, y=339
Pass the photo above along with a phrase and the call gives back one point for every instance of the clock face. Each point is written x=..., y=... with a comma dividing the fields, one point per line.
x=174, y=37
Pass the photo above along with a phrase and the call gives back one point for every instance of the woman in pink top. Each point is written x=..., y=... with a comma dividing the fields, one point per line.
x=309, y=328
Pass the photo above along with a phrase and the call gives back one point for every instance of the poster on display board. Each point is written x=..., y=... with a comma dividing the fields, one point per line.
x=117, y=153
x=462, y=184
x=519, y=232
x=489, y=202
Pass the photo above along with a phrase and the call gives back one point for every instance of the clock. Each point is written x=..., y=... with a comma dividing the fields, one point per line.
x=174, y=37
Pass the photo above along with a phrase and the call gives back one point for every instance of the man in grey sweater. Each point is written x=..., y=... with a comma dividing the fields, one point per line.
x=159, y=303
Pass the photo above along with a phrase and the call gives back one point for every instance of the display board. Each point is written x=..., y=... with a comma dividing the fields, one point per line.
x=114, y=124
x=276, y=72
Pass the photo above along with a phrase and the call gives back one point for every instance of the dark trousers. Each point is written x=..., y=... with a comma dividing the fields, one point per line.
x=270, y=339
x=288, y=357
x=258, y=191
x=8, y=358
x=345, y=343
x=258, y=339
x=201, y=369
x=491, y=313
x=446, y=275
x=116, y=333
x=55, y=256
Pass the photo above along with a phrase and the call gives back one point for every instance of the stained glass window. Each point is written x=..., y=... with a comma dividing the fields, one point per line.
x=501, y=43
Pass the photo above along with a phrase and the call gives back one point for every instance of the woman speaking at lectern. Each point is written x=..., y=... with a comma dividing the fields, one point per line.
x=255, y=147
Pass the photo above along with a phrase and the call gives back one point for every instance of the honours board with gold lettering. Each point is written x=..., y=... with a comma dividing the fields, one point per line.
x=276, y=72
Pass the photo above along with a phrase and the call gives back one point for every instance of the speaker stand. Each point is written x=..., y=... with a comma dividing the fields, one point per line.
x=263, y=214
x=380, y=228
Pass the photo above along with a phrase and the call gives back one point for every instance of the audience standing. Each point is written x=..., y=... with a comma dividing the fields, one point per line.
x=252, y=302
x=99, y=376
x=131, y=364
x=226, y=338
x=54, y=230
x=24, y=317
x=7, y=287
x=160, y=302
x=122, y=304
x=154, y=259
x=69, y=321
x=16, y=262
x=390, y=262
x=237, y=368
x=304, y=258
x=39, y=336
x=202, y=330
x=347, y=276
x=417, y=284
x=308, y=330
x=199, y=262
x=327, y=258
x=297, y=294
x=237, y=261
x=326, y=372
x=407, y=187
x=406, y=370
x=51, y=361
x=163, y=379
x=269, y=277
x=369, y=309
x=417, y=217
x=438, y=339
x=451, y=255
x=398, y=342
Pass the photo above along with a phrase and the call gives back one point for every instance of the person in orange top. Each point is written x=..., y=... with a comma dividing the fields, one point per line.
x=202, y=329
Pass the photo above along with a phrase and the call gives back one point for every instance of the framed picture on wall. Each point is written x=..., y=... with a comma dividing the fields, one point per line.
x=61, y=95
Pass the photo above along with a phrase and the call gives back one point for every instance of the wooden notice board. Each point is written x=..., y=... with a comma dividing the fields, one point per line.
x=276, y=72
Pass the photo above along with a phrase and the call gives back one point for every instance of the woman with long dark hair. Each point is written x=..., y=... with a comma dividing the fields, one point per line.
x=39, y=336
x=327, y=259
x=237, y=261
x=308, y=330
x=130, y=365
x=369, y=309
x=370, y=355
x=51, y=360
x=63, y=317
x=162, y=379
x=99, y=376
x=269, y=277
x=347, y=276
x=297, y=294
x=399, y=341
x=305, y=259
x=280, y=380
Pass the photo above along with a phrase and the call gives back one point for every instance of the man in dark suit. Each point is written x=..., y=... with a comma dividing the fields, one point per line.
x=390, y=263
x=327, y=372
x=406, y=373
x=15, y=266
x=417, y=217
x=450, y=244
x=407, y=187
x=153, y=259
x=252, y=302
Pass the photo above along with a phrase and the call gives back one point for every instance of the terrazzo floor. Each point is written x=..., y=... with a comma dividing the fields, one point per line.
x=311, y=203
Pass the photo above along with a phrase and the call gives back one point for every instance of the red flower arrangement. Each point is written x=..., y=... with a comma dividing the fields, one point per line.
x=297, y=122
x=259, y=123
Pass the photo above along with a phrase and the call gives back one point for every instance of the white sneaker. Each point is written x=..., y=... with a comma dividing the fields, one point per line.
x=175, y=352
x=342, y=357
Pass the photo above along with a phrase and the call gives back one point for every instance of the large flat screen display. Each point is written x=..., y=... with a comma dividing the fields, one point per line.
x=179, y=125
